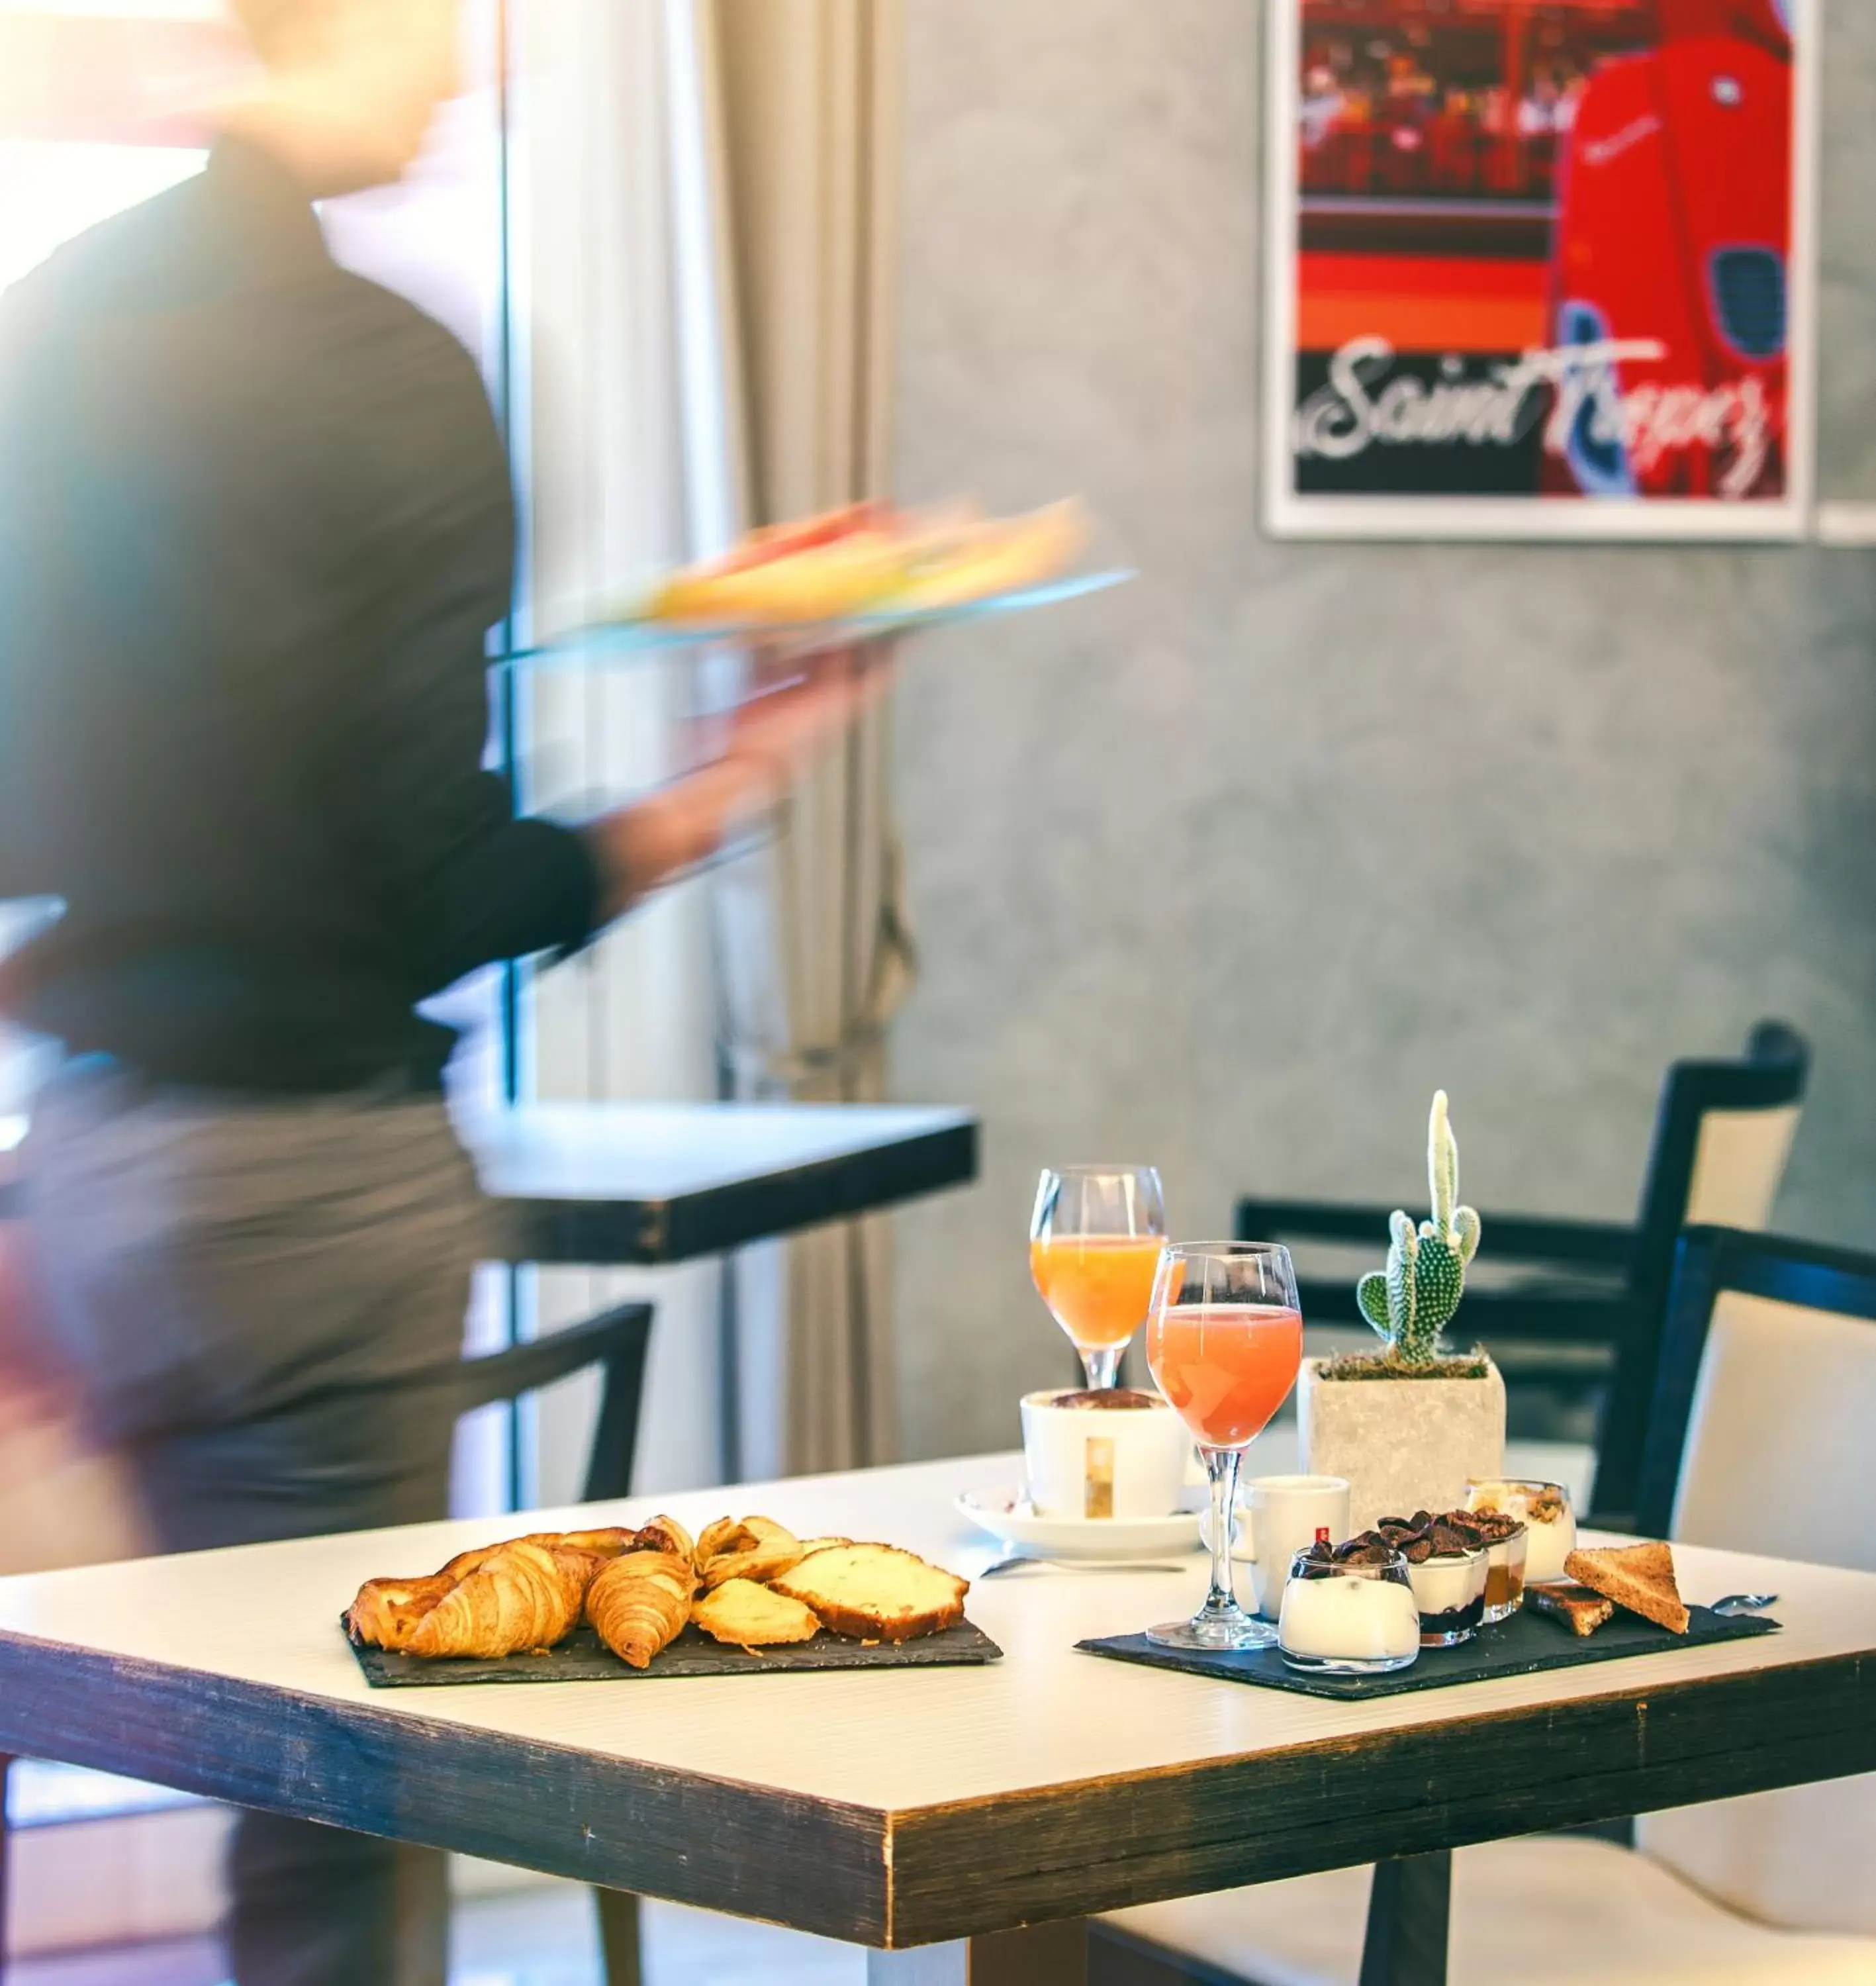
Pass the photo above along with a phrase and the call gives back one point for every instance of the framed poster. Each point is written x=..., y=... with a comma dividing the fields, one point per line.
x=1540, y=268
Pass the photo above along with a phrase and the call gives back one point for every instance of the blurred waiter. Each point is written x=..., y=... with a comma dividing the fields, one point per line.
x=255, y=524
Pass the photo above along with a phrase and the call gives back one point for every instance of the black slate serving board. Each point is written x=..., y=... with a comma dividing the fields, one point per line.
x=584, y=1658
x=1520, y=1646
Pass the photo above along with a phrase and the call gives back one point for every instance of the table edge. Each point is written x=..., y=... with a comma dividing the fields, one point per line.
x=325, y=1749
x=680, y=1227
x=884, y=1875
x=1632, y=1750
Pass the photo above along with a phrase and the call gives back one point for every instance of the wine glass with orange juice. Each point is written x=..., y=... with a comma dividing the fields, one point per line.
x=1225, y=1337
x=1095, y=1239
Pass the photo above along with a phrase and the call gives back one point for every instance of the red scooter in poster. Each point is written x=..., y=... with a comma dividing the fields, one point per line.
x=1668, y=274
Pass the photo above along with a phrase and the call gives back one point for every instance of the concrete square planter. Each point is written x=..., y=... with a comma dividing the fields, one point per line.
x=1404, y=1445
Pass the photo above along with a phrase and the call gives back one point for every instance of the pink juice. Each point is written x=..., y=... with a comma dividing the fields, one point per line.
x=1227, y=1367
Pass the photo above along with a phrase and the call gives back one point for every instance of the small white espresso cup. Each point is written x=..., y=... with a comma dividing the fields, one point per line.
x=1099, y=1462
x=1280, y=1516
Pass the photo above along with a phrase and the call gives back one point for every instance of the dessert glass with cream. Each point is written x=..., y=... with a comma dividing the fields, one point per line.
x=1349, y=1612
x=1448, y=1564
x=1543, y=1509
x=1507, y=1542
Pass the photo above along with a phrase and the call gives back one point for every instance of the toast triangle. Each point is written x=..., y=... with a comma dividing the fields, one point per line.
x=1640, y=1578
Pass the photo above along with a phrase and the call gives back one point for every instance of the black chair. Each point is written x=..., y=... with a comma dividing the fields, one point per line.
x=616, y=1341
x=1721, y=1133
x=1720, y=1435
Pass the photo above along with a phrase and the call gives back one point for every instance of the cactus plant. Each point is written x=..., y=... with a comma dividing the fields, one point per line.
x=1411, y=1301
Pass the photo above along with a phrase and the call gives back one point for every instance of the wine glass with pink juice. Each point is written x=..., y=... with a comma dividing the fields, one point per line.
x=1225, y=1338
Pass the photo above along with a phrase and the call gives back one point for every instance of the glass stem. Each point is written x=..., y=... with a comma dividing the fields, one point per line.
x=1102, y=1366
x=1222, y=1465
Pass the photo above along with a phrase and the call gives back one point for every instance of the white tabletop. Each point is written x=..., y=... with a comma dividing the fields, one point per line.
x=884, y=1755
x=598, y=1183
x=604, y=1182
x=1045, y=1714
x=657, y=1151
x=665, y=1151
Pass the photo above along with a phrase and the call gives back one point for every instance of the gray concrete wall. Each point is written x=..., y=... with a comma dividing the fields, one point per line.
x=1229, y=872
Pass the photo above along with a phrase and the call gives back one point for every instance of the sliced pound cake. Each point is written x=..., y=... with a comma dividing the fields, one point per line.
x=875, y=1593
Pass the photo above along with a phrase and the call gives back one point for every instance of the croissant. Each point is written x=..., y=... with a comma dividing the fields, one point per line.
x=519, y=1596
x=666, y=1535
x=758, y=1548
x=602, y=1544
x=727, y=1534
x=598, y=1545
x=640, y=1603
x=388, y=1611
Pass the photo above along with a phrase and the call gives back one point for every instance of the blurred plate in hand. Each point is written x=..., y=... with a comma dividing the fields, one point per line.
x=1006, y=1514
x=626, y=635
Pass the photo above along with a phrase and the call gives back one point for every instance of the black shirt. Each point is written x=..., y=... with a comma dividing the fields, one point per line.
x=255, y=523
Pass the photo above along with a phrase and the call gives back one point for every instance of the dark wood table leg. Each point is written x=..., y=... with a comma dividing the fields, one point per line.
x=1054, y=1954
x=1408, y=1912
x=618, y=1936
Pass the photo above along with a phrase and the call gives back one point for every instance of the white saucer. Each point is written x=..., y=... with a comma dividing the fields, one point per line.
x=1006, y=1514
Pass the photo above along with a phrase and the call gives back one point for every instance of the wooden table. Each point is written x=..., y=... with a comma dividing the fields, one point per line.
x=912, y=1808
x=603, y=1184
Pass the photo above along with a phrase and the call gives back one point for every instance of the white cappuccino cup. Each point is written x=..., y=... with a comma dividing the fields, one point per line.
x=1120, y=1454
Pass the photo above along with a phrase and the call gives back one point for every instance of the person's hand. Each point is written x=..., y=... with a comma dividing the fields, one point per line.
x=757, y=754
x=803, y=704
x=34, y=1389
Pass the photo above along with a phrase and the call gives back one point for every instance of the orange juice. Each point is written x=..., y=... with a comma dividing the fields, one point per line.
x=1098, y=1286
x=1227, y=1367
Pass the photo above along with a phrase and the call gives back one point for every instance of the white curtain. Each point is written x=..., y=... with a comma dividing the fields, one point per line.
x=813, y=949
x=703, y=219
x=598, y=411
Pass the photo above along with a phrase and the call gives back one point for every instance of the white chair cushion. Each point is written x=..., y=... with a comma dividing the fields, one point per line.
x=1738, y=1165
x=1803, y=1857
x=1776, y=1438
x=1778, y=1434
x=1537, y=1911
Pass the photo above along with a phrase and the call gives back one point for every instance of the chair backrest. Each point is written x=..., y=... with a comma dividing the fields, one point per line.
x=1738, y=1163
x=1722, y=1132
x=616, y=1341
x=1765, y=1395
